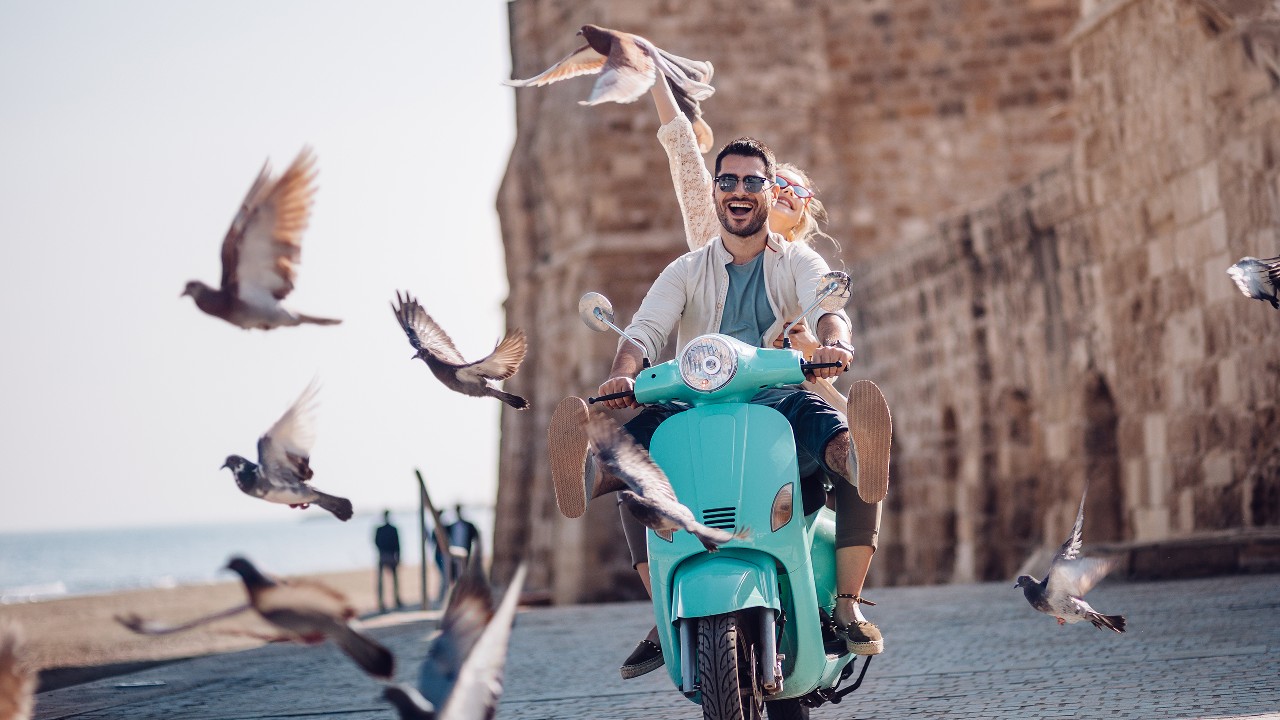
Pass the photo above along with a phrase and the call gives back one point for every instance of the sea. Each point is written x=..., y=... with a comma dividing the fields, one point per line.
x=46, y=565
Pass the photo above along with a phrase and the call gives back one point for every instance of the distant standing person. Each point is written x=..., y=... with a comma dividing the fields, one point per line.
x=387, y=539
x=464, y=535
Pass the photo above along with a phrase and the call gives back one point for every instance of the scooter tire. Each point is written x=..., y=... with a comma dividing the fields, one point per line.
x=725, y=671
x=791, y=709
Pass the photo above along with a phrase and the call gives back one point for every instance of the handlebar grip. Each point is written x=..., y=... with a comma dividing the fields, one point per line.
x=610, y=396
x=814, y=366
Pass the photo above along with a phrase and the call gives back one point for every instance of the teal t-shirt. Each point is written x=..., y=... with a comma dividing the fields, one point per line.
x=747, y=315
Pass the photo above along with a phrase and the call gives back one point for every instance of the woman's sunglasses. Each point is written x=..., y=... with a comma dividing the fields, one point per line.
x=752, y=183
x=800, y=190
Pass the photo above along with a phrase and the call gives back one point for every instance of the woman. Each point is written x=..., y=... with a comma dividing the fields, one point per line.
x=795, y=216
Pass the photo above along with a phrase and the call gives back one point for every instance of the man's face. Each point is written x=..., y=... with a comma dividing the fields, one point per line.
x=741, y=212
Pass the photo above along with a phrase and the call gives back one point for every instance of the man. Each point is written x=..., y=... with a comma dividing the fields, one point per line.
x=464, y=540
x=749, y=283
x=387, y=539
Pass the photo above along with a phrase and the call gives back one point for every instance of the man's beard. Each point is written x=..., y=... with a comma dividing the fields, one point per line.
x=759, y=217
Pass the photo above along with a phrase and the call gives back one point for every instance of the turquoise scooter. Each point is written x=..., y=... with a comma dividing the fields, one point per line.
x=744, y=630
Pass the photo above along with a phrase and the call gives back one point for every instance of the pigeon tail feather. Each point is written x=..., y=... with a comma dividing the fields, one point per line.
x=318, y=320
x=340, y=507
x=409, y=702
x=1108, y=622
x=368, y=654
x=514, y=401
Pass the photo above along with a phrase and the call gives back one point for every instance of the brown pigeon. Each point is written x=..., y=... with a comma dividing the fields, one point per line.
x=628, y=66
x=436, y=349
x=310, y=612
x=307, y=611
x=261, y=251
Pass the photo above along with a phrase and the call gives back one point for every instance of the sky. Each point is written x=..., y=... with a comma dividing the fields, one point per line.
x=130, y=131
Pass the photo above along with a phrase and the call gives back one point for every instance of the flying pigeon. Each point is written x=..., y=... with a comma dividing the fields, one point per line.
x=306, y=610
x=283, y=469
x=462, y=672
x=310, y=612
x=261, y=251
x=1257, y=279
x=648, y=494
x=17, y=676
x=628, y=66
x=1061, y=593
x=436, y=349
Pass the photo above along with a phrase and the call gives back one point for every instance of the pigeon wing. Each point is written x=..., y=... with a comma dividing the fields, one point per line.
x=626, y=460
x=470, y=609
x=1070, y=549
x=500, y=364
x=628, y=73
x=424, y=333
x=583, y=61
x=265, y=242
x=475, y=696
x=285, y=450
x=1077, y=577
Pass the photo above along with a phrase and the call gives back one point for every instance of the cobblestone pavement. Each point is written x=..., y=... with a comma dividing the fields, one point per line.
x=1195, y=649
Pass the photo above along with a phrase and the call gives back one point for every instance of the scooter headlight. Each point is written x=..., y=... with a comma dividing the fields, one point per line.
x=783, y=507
x=708, y=363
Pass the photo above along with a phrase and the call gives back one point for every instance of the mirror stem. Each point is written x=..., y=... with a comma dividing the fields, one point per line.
x=600, y=316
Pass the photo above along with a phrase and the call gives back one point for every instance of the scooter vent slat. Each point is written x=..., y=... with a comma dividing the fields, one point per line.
x=722, y=518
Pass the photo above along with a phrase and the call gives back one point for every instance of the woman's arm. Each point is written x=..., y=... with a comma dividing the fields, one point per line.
x=688, y=173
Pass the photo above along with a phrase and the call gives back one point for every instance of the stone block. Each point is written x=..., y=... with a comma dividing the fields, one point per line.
x=1158, y=481
x=1057, y=441
x=1228, y=382
x=1133, y=476
x=1216, y=285
x=1217, y=467
x=1154, y=435
x=1150, y=523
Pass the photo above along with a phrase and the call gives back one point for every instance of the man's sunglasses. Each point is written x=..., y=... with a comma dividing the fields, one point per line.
x=752, y=183
x=800, y=190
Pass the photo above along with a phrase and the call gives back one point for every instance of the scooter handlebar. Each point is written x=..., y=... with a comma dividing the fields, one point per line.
x=814, y=366
x=610, y=396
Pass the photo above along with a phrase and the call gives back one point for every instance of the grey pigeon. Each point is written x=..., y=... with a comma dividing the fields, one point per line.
x=628, y=66
x=463, y=670
x=436, y=349
x=17, y=676
x=1257, y=279
x=648, y=494
x=283, y=470
x=310, y=612
x=261, y=251
x=1061, y=593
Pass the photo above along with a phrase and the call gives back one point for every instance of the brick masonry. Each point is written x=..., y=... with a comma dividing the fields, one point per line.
x=1038, y=202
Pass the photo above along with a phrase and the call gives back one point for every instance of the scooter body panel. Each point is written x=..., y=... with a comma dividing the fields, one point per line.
x=727, y=463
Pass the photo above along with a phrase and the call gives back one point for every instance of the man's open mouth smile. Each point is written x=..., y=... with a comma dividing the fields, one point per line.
x=738, y=209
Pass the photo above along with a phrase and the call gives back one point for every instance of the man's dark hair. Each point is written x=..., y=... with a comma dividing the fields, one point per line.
x=749, y=147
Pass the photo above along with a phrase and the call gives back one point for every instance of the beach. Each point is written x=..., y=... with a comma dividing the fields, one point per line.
x=77, y=639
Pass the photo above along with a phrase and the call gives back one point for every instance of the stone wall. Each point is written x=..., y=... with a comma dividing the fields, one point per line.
x=1038, y=213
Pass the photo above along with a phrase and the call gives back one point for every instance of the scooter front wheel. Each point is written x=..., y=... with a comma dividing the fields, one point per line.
x=726, y=669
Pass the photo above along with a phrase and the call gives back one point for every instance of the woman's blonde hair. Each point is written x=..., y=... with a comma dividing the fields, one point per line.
x=814, y=212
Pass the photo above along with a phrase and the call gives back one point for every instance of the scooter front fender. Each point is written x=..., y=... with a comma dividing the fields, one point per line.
x=723, y=582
